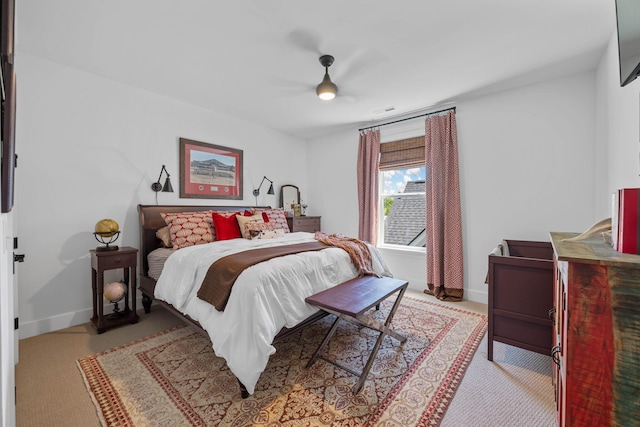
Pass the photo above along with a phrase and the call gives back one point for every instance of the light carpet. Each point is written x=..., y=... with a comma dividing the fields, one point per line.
x=174, y=378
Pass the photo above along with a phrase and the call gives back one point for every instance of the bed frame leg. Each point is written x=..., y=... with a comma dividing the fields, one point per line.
x=146, y=303
x=243, y=390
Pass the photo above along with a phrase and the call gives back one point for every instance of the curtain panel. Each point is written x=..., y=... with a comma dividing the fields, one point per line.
x=445, y=276
x=368, y=158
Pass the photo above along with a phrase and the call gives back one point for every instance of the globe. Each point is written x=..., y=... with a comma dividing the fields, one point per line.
x=114, y=291
x=107, y=227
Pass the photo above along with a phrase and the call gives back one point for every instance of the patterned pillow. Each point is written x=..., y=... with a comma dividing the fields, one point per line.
x=263, y=230
x=189, y=228
x=243, y=221
x=276, y=217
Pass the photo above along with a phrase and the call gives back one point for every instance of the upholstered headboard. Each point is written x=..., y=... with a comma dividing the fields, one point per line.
x=150, y=221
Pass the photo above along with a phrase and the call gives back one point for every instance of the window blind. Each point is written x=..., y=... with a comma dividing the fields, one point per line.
x=404, y=153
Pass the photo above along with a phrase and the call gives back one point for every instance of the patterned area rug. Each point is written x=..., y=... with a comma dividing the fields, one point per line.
x=175, y=379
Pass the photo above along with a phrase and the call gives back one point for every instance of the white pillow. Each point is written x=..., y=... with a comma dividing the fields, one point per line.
x=244, y=220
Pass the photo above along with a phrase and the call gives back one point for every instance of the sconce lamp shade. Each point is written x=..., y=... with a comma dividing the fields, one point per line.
x=167, y=187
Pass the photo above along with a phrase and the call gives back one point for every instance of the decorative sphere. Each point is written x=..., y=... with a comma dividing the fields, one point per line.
x=107, y=227
x=114, y=291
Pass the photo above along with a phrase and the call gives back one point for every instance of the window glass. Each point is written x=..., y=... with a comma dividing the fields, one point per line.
x=403, y=207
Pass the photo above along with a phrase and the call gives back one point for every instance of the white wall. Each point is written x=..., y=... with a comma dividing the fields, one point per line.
x=618, y=129
x=89, y=148
x=527, y=158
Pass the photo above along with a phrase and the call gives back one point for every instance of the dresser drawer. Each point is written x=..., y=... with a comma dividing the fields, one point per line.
x=310, y=224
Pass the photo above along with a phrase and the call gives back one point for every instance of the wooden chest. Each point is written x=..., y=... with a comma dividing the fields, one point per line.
x=520, y=297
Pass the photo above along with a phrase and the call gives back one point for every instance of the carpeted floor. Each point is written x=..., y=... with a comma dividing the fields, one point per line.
x=174, y=378
x=514, y=390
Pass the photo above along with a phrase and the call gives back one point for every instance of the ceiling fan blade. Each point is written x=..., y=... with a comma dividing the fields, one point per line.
x=362, y=61
x=305, y=40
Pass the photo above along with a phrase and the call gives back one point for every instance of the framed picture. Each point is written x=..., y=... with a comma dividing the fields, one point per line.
x=209, y=171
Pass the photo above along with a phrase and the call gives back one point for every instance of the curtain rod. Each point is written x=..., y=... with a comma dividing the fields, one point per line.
x=409, y=118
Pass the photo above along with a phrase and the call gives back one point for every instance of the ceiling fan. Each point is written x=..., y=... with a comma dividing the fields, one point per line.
x=326, y=90
x=354, y=60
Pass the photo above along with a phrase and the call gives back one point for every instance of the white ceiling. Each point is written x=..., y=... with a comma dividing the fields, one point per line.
x=258, y=59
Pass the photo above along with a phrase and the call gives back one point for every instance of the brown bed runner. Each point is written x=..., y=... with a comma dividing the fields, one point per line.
x=222, y=274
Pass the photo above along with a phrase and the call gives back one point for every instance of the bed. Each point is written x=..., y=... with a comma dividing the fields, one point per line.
x=266, y=302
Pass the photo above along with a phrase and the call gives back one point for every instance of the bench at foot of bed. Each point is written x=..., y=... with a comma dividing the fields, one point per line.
x=349, y=301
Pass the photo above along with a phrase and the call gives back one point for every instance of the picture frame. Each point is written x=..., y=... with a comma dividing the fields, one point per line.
x=209, y=171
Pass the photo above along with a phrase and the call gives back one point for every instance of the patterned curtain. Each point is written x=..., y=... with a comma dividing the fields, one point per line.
x=368, y=158
x=445, y=277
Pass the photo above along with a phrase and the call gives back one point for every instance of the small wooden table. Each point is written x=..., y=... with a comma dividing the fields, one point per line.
x=127, y=259
x=349, y=301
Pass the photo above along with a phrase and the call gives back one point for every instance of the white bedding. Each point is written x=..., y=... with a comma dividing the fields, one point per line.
x=265, y=298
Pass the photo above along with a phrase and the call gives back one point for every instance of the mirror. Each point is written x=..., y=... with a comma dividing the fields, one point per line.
x=289, y=194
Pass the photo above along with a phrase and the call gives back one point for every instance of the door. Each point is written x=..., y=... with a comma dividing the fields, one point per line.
x=7, y=332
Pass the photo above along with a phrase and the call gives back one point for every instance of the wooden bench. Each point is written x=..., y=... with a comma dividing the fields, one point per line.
x=349, y=301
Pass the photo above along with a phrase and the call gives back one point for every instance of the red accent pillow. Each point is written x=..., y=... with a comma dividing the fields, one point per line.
x=226, y=227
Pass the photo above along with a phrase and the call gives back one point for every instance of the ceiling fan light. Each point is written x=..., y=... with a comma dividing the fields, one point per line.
x=326, y=90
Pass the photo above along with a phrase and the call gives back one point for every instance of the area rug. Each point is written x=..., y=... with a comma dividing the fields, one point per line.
x=174, y=378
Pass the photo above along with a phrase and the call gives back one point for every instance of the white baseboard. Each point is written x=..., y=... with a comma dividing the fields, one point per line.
x=61, y=321
x=476, y=296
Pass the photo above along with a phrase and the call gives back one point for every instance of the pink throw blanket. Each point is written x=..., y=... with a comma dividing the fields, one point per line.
x=357, y=249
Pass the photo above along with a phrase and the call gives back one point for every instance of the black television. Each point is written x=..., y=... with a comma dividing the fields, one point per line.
x=8, y=111
x=628, y=17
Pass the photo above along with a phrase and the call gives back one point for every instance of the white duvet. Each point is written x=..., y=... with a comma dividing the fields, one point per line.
x=265, y=298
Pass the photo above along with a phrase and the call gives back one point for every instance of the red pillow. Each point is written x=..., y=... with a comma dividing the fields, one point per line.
x=226, y=227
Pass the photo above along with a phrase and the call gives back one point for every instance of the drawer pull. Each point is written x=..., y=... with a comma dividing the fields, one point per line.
x=555, y=351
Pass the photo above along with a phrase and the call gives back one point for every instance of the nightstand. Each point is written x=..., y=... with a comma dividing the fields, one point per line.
x=127, y=259
x=310, y=224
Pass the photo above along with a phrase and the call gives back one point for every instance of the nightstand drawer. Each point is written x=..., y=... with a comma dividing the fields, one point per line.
x=113, y=260
x=306, y=222
x=310, y=224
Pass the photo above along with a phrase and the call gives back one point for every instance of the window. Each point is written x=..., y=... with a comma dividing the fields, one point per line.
x=402, y=193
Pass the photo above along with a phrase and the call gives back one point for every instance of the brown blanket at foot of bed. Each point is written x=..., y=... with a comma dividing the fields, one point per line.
x=222, y=274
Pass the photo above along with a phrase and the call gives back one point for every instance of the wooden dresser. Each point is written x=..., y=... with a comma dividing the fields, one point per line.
x=596, y=333
x=310, y=224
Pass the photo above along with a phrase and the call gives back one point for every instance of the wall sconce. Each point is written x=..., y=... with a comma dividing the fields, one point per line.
x=167, y=188
x=256, y=192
